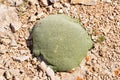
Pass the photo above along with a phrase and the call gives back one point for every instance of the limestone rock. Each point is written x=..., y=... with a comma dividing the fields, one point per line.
x=86, y=2
x=9, y=17
x=15, y=2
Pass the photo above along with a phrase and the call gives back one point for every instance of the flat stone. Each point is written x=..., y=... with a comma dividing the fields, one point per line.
x=86, y=2
x=21, y=58
x=50, y=73
x=43, y=66
x=9, y=17
x=53, y=1
x=15, y=2
x=107, y=1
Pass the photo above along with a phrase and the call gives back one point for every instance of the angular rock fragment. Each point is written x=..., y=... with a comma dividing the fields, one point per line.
x=50, y=73
x=53, y=1
x=9, y=17
x=86, y=2
x=15, y=2
x=44, y=2
x=107, y=1
x=21, y=58
x=8, y=75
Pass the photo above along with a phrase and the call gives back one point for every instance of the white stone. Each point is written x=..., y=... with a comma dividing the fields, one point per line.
x=3, y=49
x=57, y=5
x=8, y=75
x=50, y=8
x=24, y=25
x=60, y=11
x=13, y=43
x=33, y=18
x=43, y=66
x=50, y=73
x=44, y=2
x=86, y=2
x=53, y=1
x=67, y=5
x=9, y=16
x=107, y=1
x=15, y=2
x=40, y=14
x=33, y=1
x=21, y=58
x=2, y=78
x=23, y=51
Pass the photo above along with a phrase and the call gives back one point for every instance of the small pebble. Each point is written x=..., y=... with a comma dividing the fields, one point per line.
x=33, y=1
x=21, y=58
x=67, y=5
x=13, y=43
x=57, y=5
x=43, y=66
x=53, y=1
x=107, y=1
x=86, y=2
x=8, y=76
x=2, y=78
x=32, y=18
x=3, y=49
x=44, y=2
x=60, y=11
x=23, y=51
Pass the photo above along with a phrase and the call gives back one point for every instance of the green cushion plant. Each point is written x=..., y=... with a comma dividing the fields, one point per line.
x=61, y=40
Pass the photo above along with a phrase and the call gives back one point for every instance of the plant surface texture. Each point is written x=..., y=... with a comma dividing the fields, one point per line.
x=61, y=40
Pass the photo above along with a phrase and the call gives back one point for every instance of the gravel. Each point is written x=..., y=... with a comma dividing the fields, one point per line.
x=101, y=20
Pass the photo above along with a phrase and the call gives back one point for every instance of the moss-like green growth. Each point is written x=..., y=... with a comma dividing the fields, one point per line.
x=100, y=39
x=61, y=40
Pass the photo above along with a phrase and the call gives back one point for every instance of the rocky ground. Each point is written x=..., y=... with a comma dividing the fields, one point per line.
x=101, y=20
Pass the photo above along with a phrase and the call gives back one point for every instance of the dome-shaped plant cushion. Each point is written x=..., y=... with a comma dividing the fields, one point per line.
x=61, y=40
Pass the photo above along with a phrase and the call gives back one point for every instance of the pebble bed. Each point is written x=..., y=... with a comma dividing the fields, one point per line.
x=101, y=20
